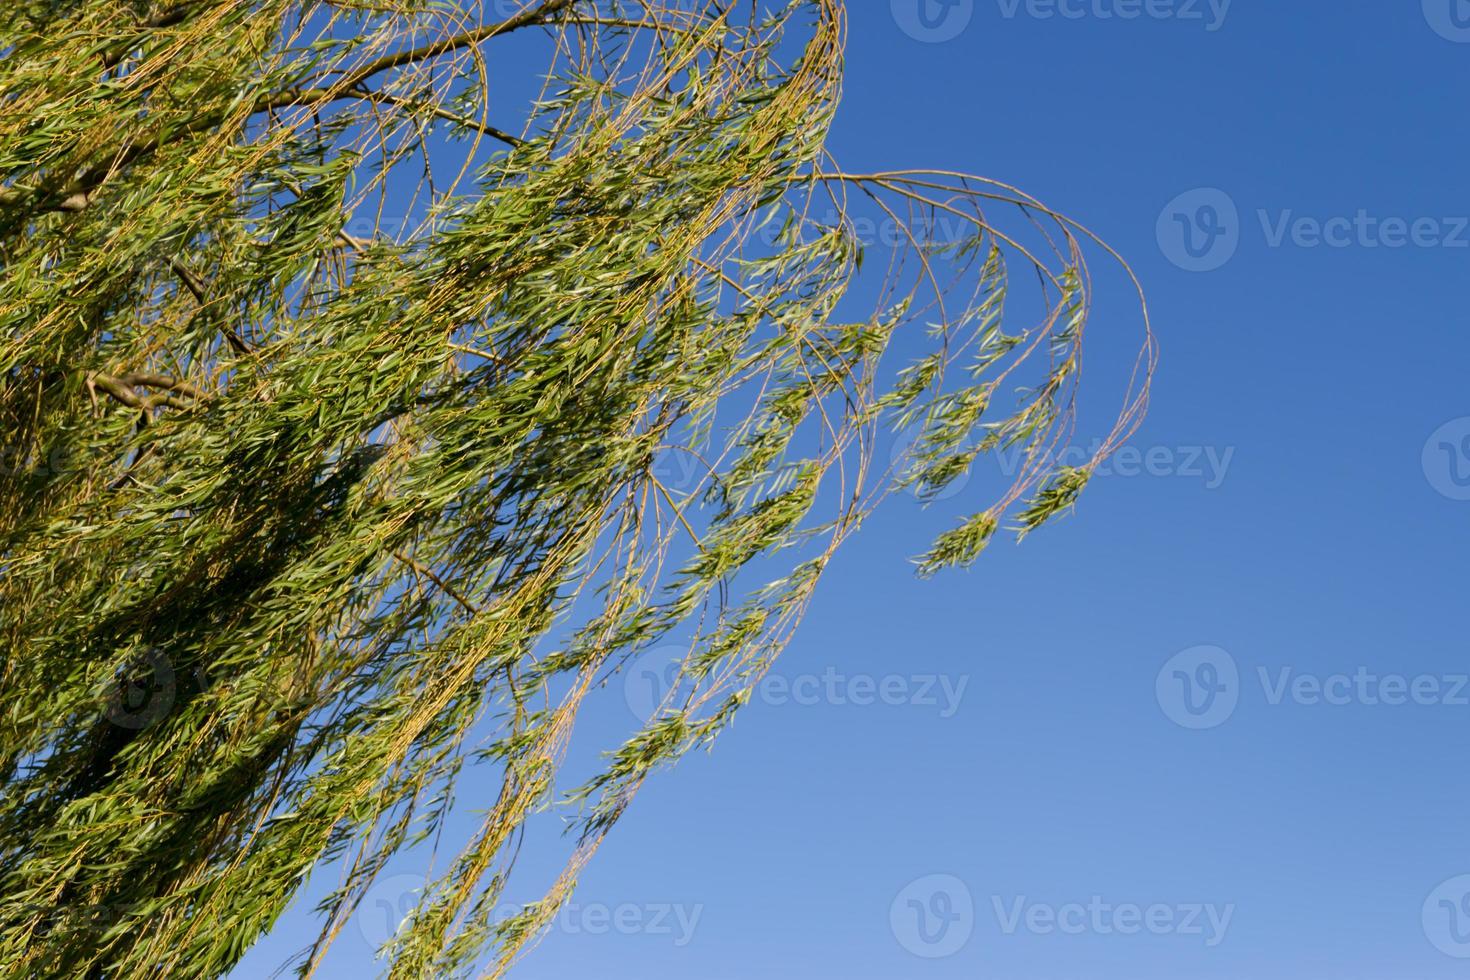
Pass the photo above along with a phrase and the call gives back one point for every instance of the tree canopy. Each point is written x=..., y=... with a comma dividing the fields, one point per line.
x=335, y=402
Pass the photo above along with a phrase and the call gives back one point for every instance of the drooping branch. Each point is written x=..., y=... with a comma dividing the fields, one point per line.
x=196, y=289
x=320, y=96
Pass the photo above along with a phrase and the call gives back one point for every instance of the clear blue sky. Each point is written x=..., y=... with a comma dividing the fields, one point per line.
x=1210, y=726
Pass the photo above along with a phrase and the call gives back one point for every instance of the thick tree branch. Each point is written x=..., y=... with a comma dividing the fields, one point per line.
x=543, y=13
x=120, y=387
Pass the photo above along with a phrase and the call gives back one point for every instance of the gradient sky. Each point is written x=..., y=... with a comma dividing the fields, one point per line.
x=1213, y=724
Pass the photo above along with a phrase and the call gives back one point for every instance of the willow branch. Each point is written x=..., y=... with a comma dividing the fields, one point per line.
x=531, y=17
x=196, y=289
x=78, y=195
x=120, y=387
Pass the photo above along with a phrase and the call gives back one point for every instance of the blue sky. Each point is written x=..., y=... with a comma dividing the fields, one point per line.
x=1210, y=726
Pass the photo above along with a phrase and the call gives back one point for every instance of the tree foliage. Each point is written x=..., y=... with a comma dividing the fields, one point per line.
x=333, y=409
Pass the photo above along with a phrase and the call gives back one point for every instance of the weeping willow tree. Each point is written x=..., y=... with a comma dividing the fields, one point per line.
x=336, y=397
